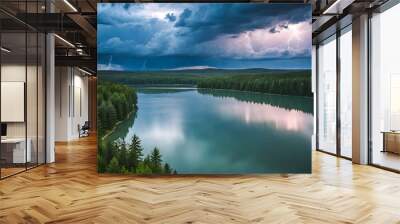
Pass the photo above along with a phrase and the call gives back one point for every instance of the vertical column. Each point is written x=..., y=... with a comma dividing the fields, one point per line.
x=50, y=92
x=338, y=76
x=360, y=90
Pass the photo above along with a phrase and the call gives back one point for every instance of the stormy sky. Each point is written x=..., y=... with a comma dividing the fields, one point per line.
x=160, y=36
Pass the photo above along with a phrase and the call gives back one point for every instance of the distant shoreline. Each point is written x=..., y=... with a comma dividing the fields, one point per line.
x=195, y=87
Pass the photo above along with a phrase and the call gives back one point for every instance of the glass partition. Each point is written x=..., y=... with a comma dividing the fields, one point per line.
x=22, y=88
x=41, y=96
x=385, y=89
x=346, y=92
x=327, y=95
x=31, y=98
x=13, y=94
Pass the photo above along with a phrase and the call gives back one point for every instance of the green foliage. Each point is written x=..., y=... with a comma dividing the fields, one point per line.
x=124, y=170
x=167, y=169
x=143, y=169
x=113, y=167
x=120, y=157
x=135, y=152
x=115, y=102
x=147, y=161
x=155, y=160
x=101, y=164
x=286, y=82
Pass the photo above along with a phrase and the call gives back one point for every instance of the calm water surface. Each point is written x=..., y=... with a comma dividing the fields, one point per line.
x=223, y=131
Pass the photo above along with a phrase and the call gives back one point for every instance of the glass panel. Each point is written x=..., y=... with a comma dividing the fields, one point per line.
x=13, y=86
x=346, y=93
x=385, y=92
x=23, y=90
x=31, y=98
x=327, y=96
x=32, y=87
x=41, y=99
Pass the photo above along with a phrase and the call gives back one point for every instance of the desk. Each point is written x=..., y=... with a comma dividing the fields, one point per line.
x=391, y=141
x=13, y=150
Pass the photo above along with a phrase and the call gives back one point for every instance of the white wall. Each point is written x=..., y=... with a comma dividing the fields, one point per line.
x=62, y=81
x=71, y=94
x=12, y=73
x=33, y=126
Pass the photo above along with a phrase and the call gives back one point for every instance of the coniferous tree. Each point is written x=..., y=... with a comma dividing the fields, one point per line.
x=135, y=152
x=113, y=167
x=122, y=154
x=167, y=169
x=112, y=114
x=156, y=160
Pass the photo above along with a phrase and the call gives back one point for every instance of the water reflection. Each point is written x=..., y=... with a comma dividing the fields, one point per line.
x=217, y=131
x=286, y=119
x=304, y=104
x=163, y=129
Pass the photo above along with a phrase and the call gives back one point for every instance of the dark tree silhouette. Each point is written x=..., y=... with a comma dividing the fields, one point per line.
x=155, y=159
x=135, y=152
x=167, y=169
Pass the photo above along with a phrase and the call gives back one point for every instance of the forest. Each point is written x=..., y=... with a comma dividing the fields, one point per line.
x=285, y=82
x=127, y=158
x=286, y=102
x=115, y=103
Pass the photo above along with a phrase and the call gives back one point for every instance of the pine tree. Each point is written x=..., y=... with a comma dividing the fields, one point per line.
x=147, y=161
x=112, y=115
x=108, y=151
x=113, y=167
x=122, y=152
x=135, y=152
x=156, y=160
x=167, y=169
x=102, y=118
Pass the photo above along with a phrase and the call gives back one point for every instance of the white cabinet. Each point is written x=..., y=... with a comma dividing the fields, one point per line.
x=19, y=155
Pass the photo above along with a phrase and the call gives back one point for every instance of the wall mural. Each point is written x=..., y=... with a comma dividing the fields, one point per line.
x=210, y=88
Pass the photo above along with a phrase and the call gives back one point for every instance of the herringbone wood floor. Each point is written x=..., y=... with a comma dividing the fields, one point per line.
x=70, y=191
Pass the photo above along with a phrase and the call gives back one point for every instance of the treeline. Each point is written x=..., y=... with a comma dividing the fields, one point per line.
x=299, y=84
x=115, y=102
x=150, y=78
x=286, y=102
x=120, y=157
x=285, y=82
